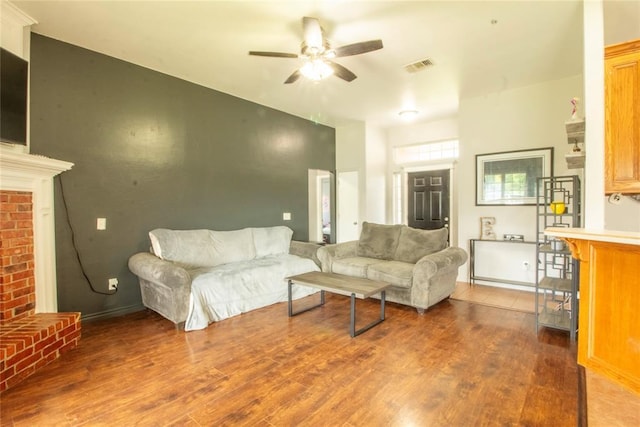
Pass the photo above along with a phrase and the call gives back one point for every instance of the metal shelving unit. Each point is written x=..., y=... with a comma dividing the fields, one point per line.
x=557, y=272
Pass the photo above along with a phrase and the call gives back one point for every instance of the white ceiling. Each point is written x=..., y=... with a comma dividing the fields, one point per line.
x=207, y=42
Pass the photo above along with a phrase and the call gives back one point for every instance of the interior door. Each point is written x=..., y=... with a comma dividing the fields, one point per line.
x=428, y=204
x=348, y=208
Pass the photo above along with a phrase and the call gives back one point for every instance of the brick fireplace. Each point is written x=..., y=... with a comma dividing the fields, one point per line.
x=17, y=281
x=32, y=332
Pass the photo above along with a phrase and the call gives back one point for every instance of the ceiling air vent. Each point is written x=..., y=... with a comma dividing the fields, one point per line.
x=419, y=65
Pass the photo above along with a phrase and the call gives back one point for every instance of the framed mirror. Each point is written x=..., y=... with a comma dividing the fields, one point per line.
x=509, y=178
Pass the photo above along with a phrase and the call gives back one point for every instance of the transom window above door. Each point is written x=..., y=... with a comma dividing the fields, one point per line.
x=429, y=151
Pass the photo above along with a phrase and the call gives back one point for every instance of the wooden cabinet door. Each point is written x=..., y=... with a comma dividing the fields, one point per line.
x=609, y=329
x=622, y=118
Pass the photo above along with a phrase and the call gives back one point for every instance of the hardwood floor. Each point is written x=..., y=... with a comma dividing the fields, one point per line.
x=460, y=364
x=495, y=296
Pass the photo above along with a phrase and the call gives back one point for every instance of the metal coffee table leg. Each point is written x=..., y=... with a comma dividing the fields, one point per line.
x=352, y=323
x=290, y=301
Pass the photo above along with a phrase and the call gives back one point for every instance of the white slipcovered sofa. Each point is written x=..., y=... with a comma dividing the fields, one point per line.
x=200, y=276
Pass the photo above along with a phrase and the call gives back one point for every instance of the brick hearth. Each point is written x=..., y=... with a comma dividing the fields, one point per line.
x=28, y=340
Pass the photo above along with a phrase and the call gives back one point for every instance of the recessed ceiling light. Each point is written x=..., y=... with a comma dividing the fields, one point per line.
x=408, y=114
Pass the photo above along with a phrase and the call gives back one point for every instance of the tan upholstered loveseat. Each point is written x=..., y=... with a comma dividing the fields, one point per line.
x=419, y=264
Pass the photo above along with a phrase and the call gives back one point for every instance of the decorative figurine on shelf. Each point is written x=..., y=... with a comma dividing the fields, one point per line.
x=576, y=149
x=486, y=228
x=574, y=110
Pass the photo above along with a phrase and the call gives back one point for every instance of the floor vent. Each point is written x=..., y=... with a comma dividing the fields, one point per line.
x=419, y=65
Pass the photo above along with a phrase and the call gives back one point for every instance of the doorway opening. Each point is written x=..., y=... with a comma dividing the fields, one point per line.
x=321, y=206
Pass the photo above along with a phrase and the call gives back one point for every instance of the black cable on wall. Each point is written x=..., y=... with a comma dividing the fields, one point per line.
x=74, y=244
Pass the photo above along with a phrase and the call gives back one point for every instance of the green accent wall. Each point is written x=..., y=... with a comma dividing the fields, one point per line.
x=153, y=151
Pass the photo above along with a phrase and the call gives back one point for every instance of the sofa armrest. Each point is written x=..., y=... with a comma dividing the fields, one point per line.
x=305, y=250
x=444, y=261
x=326, y=254
x=153, y=269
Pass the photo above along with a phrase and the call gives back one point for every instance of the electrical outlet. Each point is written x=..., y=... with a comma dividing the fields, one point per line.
x=101, y=223
x=113, y=284
x=286, y=216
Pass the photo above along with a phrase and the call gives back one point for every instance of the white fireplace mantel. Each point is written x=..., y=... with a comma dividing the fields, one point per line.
x=34, y=173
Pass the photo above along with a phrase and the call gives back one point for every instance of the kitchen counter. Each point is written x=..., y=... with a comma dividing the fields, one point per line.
x=624, y=237
x=609, y=319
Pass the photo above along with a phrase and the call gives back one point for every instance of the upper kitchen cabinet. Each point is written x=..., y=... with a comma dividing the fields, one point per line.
x=622, y=118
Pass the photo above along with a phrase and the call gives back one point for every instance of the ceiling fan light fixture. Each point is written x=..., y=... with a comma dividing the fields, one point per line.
x=316, y=69
x=317, y=54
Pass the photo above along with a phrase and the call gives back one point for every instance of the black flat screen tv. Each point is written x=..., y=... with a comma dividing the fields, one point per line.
x=13, y=98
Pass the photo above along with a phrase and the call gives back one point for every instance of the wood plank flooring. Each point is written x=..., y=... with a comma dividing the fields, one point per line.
x=460, y=364
x=495, y=296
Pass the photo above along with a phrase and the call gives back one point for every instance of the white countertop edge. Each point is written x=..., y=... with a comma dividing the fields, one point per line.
x=624, y=237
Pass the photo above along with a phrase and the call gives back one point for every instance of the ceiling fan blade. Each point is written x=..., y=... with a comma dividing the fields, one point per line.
x=342, y=72
x=293, y=77
x=274, y=54
x=358, y=48
x=312, y=32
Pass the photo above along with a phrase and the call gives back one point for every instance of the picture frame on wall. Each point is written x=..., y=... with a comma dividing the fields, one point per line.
x=509, y=178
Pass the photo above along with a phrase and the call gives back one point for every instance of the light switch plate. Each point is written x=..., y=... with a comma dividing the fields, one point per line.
x=101, y=224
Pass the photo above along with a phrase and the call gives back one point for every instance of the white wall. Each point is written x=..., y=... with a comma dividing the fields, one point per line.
x=362, y=149
x=621, y=21
x=523, y=118
x=350, y=157
x=594, y=114
x=423, y=132
x=376, y=187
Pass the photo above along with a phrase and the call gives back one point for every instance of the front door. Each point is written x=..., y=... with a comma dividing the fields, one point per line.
x=428, y=199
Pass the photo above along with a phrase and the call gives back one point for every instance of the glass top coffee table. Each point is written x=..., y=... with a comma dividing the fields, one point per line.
x=353, y=287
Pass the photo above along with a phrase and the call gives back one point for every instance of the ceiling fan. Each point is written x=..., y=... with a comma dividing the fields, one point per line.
x=318, y=54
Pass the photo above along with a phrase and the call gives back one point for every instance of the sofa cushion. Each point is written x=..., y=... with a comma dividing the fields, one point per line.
x=378, y=241
x=272, y=240
x=189, y=248
x=234, y=288
x=233, y=246
x=202, y=248
x=395, y=272
x=354, y=266
x=413, y=243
